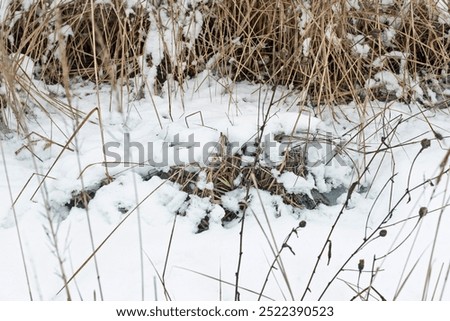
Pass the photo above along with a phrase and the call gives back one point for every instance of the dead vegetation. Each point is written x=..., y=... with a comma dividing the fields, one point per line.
x=100, y=42
x=228, y=172
x=330, y=51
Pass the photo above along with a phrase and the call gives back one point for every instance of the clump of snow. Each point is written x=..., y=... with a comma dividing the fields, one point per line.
x=305, y=16
x=202, y=182
x=359, y=47
x=387, y=79
x=296, y=184
x=306, y=46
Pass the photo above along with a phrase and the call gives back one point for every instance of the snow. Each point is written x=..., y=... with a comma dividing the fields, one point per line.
x=146, y=228
x=306, y=46
x=295, y=184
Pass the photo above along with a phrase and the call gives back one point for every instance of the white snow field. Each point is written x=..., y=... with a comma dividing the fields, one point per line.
x=144, y=250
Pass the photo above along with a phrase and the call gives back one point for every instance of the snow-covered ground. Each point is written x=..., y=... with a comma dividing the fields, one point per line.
x=144, y=250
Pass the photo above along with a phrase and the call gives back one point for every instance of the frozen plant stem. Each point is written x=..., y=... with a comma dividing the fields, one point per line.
x=237, y=295
x=111, y=234
x=285, y=244
x=425, y=143
x=16, y=222
x=166, y=261
x=341, y=212
x=66, y=146
x=141, y=247
x=88, y=219
x=445, y=201
x=389, y=214
x=55, y=243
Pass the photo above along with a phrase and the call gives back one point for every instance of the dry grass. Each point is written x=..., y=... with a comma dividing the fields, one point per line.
x=100, y=41
x=332, y=52
x=228, y=172
x=328, y=49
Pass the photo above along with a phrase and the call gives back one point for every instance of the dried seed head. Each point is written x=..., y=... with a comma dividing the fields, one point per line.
x=361, y=265
x=302, y=224
x=423, y=211
x=425, y=143
x=383, y=233
x=242, y=205
x=438, y=136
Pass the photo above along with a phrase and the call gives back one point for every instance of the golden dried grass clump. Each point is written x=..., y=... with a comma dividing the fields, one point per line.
x=227, y=172
x=100, y=41
x=329, y=49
